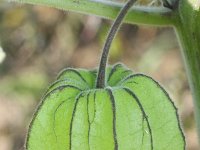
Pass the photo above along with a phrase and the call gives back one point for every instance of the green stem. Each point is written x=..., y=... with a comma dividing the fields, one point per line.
x=191, y=56
x=141, y=15
x=188, y=31
x=104, y=58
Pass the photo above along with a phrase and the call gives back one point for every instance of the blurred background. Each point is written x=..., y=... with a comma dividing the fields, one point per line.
x=38, y=42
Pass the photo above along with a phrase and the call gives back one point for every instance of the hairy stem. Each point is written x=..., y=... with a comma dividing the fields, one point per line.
x=106, y=9
x=100, y=83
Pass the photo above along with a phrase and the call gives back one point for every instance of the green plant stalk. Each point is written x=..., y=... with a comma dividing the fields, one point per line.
x=188, y=31
x=106, y=9
x=101, y=81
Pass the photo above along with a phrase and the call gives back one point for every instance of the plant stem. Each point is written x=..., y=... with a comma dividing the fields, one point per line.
x=188, y=31
x=106, y=9
x=100, y=83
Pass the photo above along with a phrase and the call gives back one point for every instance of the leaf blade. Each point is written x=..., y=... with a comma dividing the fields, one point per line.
x=43, y=132
x=161, y=111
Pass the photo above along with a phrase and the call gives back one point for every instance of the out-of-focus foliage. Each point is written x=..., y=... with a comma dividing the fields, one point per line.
x=40, y=41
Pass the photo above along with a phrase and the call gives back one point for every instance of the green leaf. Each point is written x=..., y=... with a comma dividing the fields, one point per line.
x=49, y=129
x=78, y=75
x=93, y=132
x=131, y=125
x=160, y=110
x=117, y=74
x=132, y=112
